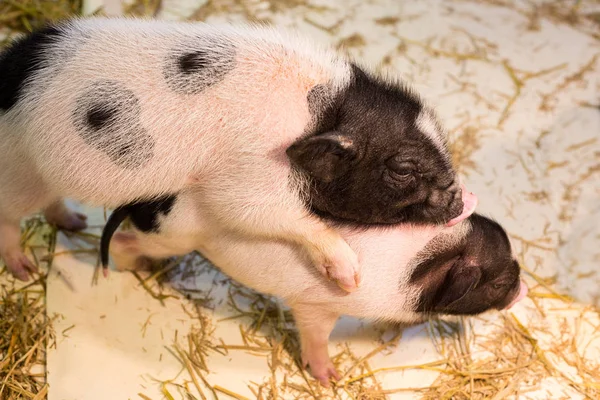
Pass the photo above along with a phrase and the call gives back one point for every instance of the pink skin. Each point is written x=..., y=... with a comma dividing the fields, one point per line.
x=523, y=290
x=470, y=204
x=16, y=261
x=351, y=283
x=314, y=340
x=314, y=337
x=58, y=214
x=315, y=325
x=19, y=265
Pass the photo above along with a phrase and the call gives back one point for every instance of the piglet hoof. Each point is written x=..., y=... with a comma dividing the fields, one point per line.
x=76, y=222
x=343, y=267
x=19, y=265
x=324, y=372
x=67, y=219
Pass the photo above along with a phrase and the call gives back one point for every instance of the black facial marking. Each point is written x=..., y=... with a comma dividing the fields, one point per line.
x=470, y=276
x=20, y=60
x=191, y=72
x=107, y=117
x=368, y=162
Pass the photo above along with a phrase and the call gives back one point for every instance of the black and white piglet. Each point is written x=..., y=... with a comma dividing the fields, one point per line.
x=269, y=128
x=409, y=272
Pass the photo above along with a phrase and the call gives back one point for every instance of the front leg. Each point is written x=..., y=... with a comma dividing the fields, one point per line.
x=325, y=247
x=275, y=213
x=314, y=327
x=16, y=261
x=332, y=256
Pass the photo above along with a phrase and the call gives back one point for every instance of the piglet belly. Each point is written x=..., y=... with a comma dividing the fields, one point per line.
x=270, y=267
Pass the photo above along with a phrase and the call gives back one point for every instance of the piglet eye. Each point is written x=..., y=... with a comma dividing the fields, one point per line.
x=497, y=286
x=401, y=169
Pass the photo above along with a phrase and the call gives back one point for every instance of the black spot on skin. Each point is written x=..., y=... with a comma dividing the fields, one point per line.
x=193, y=62
x=107, y=117
x=366, y=160
x=191, y=72
x=474, y=275
x=20, y=60
x=98, y=118
x=144, y=215
x=134, y=151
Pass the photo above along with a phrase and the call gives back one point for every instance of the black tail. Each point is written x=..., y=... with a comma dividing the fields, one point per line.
x=115, y=219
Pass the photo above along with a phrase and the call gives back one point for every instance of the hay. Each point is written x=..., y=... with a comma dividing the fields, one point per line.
x=267, y=330
x=504, y=355
x=143, y=8
x=25, y=330
x=253, y=11
x=472, y=364
x=20, y=16
x=577, y=14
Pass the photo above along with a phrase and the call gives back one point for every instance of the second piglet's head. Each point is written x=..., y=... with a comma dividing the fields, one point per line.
x=375, y=154
x=468, y=274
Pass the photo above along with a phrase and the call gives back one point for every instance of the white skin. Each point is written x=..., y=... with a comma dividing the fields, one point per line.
x=315, y=303
x=227, y=142
x=222, y=143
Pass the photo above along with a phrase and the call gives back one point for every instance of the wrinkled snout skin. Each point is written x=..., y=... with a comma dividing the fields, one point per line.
x=469, y=204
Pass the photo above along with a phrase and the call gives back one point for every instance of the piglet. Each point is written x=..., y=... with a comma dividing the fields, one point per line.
x=274, y=133
x=410, y=272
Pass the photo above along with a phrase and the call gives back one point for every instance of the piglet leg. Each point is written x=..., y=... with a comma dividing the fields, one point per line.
x=59, y=214
x=127, y=252
x=279, y=215
x=314, y=327
x=332, y=256
x=326, y=248
x=134, y=250
x=10, y=250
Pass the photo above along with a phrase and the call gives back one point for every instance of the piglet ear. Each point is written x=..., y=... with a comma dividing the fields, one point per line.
x=324, y=157
x=458, y=283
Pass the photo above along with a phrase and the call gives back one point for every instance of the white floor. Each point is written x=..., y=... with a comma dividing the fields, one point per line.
x=511, y=89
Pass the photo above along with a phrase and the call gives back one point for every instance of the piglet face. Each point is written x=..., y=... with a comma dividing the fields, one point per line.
x=472, y=275
x=377, y=156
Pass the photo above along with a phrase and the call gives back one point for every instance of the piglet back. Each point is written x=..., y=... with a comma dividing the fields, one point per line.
x=115, y=110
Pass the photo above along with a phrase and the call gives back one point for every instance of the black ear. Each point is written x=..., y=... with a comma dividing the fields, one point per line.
x=458, y=283
x=325, y=157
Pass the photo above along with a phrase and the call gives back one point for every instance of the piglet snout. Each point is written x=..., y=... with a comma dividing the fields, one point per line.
x=523, y=290
x=469, y=205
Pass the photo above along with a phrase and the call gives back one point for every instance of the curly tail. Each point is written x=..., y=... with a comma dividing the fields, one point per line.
x=113, y=223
